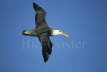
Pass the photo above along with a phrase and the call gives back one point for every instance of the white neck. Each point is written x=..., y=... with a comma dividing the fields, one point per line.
x=56, y=32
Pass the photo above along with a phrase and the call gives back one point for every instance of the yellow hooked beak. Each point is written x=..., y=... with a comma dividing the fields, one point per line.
x=65, y=35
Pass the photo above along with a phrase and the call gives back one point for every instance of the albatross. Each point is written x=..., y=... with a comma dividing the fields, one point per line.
x=43, y=32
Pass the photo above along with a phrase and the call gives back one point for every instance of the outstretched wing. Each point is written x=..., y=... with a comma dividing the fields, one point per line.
x=46, y=46
x=40, y=16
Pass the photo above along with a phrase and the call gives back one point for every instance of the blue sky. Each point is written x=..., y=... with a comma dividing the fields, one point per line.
x=84, y=51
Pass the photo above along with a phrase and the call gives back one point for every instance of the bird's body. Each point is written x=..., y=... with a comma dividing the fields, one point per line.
x=43, y=31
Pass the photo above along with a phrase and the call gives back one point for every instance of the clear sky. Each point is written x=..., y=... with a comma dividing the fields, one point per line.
x=84, y=51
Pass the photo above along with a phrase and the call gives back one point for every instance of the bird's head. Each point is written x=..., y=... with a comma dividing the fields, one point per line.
x=58, y=32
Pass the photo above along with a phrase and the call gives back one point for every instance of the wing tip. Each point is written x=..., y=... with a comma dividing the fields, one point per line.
x=35, y=6
x=46, y=58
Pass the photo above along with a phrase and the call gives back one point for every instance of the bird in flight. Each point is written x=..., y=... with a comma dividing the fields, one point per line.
x=43, y=32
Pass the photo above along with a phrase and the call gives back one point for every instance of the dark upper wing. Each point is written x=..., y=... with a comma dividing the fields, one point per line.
x=46, y=46
x=40, y=16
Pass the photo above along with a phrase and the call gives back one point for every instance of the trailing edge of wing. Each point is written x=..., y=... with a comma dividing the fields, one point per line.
x=46, y=46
